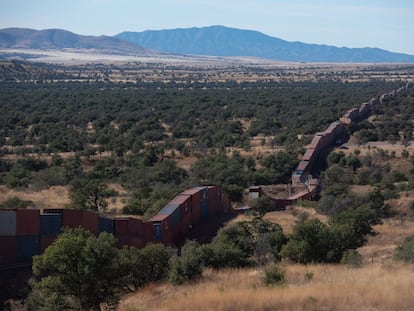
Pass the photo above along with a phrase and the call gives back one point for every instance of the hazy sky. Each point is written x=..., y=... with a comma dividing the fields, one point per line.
x=387, y=24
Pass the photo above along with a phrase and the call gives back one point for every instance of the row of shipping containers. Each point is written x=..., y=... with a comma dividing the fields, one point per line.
x=186, y=210
x=28, y=232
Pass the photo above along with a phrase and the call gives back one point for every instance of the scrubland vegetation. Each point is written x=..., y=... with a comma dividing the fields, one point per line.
x=139, y=145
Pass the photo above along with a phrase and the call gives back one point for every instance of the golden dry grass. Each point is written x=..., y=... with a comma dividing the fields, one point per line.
x=53, y=197
x=332, y=287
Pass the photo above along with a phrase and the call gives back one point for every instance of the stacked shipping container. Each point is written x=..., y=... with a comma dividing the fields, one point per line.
x=25, y=233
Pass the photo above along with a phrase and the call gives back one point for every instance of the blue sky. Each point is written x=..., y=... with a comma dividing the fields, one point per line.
x=351, y=23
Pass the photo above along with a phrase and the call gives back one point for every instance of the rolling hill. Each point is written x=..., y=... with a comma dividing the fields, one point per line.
x=224, y=41
x=57, y=39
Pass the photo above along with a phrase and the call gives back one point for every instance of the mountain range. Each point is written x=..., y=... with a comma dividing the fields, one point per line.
x=209, y=41
x=224, y=41
x=57, y=39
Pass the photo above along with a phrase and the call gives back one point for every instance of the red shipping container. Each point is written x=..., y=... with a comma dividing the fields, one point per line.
x=129, y=231
x=122, y=241
x=8, y=249
x=135, y=227
x=71, y=218
x=90, y=221
x=195, y=202
x=27, y=222
x=185, y=204
x=45, y=242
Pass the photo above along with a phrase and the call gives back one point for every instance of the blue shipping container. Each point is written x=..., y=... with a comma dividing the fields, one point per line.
x=50, y=224
x=175, y=218
x=157, y=227
x=106, y=225
x=27, y=247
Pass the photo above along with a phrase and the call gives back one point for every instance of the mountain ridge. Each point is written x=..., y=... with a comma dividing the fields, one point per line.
x=27, y=38
x=225, y=41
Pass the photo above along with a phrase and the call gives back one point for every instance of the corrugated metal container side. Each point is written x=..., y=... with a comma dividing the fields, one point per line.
x=90, y=221
x=7, y=223
x=186, y=211
x=27, y=222
x=45, y=242
x=106, y=225
x=72, y=218
x=226, y=203
x=122, y=241
x=121, y=226
x=8, y=249
x=135, y=227
x=148, y=231
x=27, y=247
x=50, y=224
x=136, y=242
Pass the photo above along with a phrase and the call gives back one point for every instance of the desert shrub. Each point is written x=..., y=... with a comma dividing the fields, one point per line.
x=188, y=265
x=352, y=258
x=405, y=252
x=273, y=275
x=15, y=202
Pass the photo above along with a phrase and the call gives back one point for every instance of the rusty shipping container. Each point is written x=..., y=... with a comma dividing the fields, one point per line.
x=45, y=242
x=161, y=230
x=27, y=222
x=90, y=221
x=8, y=249
x=184, y=201
x=73, y=218
x=7, y=223
x=195, y=194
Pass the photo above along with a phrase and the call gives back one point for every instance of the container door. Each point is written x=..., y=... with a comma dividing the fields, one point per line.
x=157, y=231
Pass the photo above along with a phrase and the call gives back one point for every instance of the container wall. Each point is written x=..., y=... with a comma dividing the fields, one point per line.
x=50, y=224
x=121, y=226
x=27, y=222
x=27, y=247
x=7, y=223
x=72, y=218
x=45, y=242
x=8, y=249
x=106, y=225
x=90, y=221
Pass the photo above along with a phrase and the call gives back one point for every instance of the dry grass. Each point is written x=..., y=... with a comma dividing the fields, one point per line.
x=53, y=197
x=372, y=287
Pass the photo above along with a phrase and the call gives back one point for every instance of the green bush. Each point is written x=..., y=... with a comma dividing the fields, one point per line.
x=188, y=265
x=352, y=258
x=405, y=252
x=273, y=275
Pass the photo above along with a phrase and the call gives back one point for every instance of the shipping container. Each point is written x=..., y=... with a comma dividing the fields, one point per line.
x=27, y=247
x=27, y=222
x=128, y=226
x=106, y=225
x=204, y=204
x=45, y=242
x=7, y=223
x=184, y=201
x=90, y=221
x=8, y=249
x=157, y=233
x=195, y=194
x=73, y=218
x=50, y=224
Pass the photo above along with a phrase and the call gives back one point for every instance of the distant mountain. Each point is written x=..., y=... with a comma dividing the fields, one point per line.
x=22, y=38
x=224, y=41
